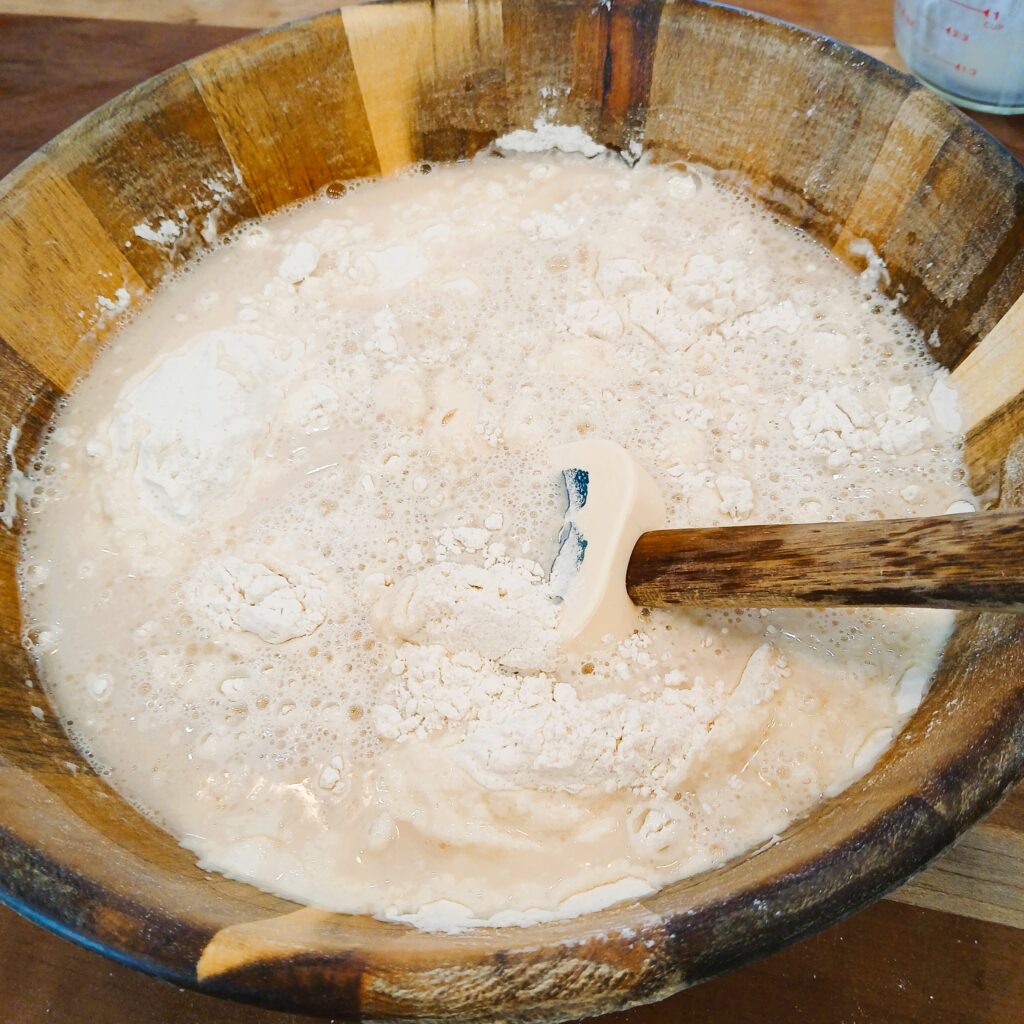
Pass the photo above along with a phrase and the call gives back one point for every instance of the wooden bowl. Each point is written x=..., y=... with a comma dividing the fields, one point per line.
x=832, y=140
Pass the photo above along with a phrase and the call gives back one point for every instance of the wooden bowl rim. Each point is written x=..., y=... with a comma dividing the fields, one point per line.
x=861, y=868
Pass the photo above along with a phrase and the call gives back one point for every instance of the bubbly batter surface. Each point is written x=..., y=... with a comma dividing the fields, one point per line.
x=286, y=570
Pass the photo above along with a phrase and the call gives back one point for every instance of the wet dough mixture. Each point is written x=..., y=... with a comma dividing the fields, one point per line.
x=286, y=567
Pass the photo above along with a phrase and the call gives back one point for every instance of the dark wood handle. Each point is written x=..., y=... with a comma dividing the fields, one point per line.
x=962, y=561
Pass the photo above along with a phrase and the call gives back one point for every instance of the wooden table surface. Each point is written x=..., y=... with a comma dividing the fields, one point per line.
x=947, y=948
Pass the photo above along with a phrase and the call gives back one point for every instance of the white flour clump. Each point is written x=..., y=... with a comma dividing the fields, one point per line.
x=18, y=484
x=837, y=424
x=187, y=432
x=546, y=137
x=543, y=735
x=503, y=612
x=249, y=597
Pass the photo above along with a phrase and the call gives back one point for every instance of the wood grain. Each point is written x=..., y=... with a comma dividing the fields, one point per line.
x=289, y=132
x=958, y=561
x=890, y=964
x=43, y=92
x=982, y=875
x=704, y=111
x=54, y=72
x=432, y=78
x=45, y=227
x=392, y=54
x=555, y=58
x=980, y=878
x=248, y=14
x=173, y=151
x=866, y=24
x=862, y=25
x=992, y=376
x=910, y=147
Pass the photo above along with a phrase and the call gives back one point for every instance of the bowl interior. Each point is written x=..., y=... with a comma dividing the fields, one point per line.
x=830, y=139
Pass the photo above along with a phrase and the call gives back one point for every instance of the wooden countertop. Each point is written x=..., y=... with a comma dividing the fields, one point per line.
x=947, y=947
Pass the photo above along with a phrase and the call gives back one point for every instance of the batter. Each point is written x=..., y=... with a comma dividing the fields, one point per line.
x=287, y=567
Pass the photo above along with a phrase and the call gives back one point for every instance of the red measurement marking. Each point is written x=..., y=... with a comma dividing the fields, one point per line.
x=904, y=15
x=984, y=11
x=957, y=33
x=963, y=69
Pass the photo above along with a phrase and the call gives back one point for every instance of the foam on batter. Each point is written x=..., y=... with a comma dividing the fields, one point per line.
x=286, y=570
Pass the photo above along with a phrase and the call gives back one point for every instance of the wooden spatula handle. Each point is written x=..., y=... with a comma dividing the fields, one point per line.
x=961, y=561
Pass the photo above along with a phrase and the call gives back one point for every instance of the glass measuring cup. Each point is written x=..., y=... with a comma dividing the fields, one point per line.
x=969, y=51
